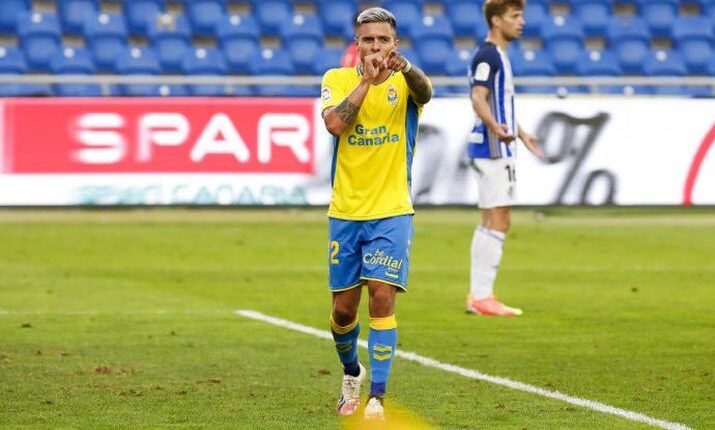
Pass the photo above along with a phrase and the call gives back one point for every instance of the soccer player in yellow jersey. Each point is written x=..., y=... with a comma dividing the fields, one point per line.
x=372, y=112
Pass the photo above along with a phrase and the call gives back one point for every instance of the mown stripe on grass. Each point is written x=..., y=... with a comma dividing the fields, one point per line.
x=474, y=374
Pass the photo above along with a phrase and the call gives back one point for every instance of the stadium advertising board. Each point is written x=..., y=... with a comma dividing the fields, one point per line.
x=275, y=151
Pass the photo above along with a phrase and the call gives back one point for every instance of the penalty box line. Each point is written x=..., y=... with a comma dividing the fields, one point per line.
x=474, y=374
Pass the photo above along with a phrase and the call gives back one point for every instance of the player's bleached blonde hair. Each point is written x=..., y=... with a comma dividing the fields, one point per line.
x=376, y=14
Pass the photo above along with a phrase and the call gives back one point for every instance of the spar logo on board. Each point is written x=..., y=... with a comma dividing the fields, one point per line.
x=168, y=138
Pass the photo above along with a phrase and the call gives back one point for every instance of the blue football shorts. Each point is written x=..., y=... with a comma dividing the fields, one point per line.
x=374, y=250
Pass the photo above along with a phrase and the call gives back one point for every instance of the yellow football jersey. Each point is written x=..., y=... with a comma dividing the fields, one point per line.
x=372, y=159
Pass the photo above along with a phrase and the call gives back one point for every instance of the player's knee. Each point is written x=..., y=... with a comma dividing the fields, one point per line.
x=344, y=314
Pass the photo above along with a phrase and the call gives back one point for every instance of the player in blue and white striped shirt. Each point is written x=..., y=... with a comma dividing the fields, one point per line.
x=492, y=148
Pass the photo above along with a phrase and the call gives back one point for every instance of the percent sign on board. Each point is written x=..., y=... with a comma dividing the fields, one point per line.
x=568, y=139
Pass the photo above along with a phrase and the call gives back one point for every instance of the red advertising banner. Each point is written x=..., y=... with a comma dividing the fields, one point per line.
x=183, y=135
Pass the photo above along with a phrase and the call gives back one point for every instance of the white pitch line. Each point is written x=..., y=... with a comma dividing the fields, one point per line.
x=474, y=374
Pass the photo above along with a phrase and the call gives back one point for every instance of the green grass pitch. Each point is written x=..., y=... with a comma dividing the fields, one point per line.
x=125, y=319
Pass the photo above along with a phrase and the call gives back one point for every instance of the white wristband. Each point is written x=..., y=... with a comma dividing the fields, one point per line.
x=407, y=68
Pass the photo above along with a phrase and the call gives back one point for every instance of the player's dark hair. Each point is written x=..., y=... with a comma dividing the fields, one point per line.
x=376, y=14
x=494, y=8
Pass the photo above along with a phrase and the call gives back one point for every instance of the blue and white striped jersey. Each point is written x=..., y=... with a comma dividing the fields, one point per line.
x=490, y=68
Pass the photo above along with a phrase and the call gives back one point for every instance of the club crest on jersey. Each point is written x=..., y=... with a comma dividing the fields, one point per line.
x=392, y=95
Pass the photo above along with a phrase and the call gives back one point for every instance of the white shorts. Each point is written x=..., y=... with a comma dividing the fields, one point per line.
x=496, y=180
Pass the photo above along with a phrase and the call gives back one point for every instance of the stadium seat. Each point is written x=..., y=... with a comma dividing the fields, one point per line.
x=708, y=10
x=12, y=62
x=411, y=56
x=329, y=59
x=141, y=14
x=106, y=36
x=40, y=39
x=458, y=62
x=658, y=15
x=694, y=37
x=205, y=61
x=271, y=15
x=337, y=16
x=10, y=11
x=238, y=37
x=138, y=61
x=465, y=15
x=204, y=15
x=407, y=12
x=171, y=39
x=594, y=15
x=271, y=62
x=74, y=61
x=564, y=38
x=458, y=65
x=665, y=63
x=303, y=38
x=629, y=39
x=432, y=40
x=75, y=13
x=536, y=14
x=242, y=91
x=598, y=63
x=533, y=62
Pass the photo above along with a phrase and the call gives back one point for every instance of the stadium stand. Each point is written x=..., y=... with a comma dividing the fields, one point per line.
x=612, y=38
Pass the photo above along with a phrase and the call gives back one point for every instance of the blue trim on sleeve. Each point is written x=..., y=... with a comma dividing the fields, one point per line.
x=411, y=119
x=334, y=162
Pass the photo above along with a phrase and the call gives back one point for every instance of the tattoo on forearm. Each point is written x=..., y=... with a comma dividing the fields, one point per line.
x=347, y=112
x=419, y=85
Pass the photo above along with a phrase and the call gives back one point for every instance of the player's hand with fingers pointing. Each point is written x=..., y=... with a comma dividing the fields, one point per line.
x=397, y=62
x=373, y=65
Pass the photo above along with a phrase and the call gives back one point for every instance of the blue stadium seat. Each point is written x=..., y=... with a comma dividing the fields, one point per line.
x=458, y=65
x=271, y=14
x=271, y=62
x=10, y=11
x=303, y=37
x=658, y=15
x=238, y=37
x=594, y=15
x=75, y=13
x=665, y=63
x=535, y=14
x=465, y=16
x=204, y=15
x=629, y=39
x=329, y=59
x=532, y=62
x=40, y=39
x=598, y=63
x=458, y=62
x=12, y=62
x=337, y=16
x=106, y=36
x=242, y=91
x=205, y=61
x=171, y=39
x=74, y=61
x=564, y=38
x=407, y=12
x=138, y=61
x=432, y=41
x=141, y=14
x=411, y=56
x=303, y=91
x=693, y=36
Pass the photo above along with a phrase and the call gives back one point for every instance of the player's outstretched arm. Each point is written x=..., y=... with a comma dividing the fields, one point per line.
x=531, y=142
x=419, y=85
x=481, y=108
x=339, y=118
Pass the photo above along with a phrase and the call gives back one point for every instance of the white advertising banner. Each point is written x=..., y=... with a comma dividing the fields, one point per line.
x=622, y=151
